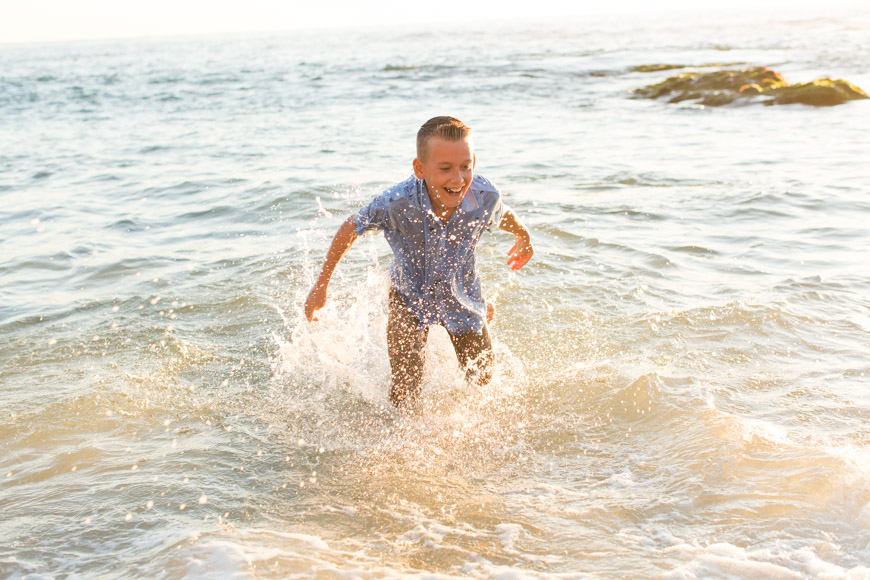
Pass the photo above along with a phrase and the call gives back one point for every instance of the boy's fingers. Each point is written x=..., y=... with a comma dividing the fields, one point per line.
x=309, y=312
x=519, y=261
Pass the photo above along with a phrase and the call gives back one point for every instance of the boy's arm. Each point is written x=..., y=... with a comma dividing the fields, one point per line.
x=341, y=243
x=521, y=252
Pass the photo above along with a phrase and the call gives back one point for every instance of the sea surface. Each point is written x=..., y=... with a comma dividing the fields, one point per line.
x=682, y=386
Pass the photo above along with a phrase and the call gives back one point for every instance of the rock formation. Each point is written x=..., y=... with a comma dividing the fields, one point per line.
x=756, y=84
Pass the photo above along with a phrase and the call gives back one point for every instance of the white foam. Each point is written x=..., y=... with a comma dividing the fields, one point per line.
x=314, y=541
x=729, y=562
x=508, y=534
x=864, y=516
x=297, y=555
x=620, y=480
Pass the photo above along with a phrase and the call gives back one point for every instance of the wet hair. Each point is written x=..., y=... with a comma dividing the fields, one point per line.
x=446, y=128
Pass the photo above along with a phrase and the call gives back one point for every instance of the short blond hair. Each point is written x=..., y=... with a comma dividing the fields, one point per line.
x=446, y=128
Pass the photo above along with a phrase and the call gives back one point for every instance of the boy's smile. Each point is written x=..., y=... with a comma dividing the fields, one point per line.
x=448, y=169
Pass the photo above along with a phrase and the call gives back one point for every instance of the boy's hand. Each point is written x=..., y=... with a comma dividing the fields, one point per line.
x=521, y=252
x=490, y=312
x=315, y=301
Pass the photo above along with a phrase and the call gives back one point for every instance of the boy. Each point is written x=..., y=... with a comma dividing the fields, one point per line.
x=433, y=222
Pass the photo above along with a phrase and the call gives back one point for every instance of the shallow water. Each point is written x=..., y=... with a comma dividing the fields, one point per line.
x=681, y=388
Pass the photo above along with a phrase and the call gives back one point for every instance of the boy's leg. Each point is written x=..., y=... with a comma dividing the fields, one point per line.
x=406, y=345
x=476, y=356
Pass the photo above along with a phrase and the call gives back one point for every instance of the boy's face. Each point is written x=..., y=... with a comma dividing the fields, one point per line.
x=448, y=168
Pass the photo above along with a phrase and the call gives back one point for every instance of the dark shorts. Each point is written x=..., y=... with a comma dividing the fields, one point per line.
x=406, y=344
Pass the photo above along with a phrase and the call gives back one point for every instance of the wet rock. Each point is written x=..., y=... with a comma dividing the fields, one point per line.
x=818, y=93
x=719, y=99
x=647, y=68
x=751, y=90
x=723, y=87
x=657, y=67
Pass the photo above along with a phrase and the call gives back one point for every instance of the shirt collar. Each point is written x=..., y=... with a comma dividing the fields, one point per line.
x=469, y=202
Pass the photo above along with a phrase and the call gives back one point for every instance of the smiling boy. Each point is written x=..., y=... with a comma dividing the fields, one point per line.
x=433, y=221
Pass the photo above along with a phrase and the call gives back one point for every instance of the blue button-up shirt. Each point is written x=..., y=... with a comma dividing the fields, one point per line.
x=434, y=269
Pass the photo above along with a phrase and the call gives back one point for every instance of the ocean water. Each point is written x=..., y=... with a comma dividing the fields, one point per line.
x=682, y=381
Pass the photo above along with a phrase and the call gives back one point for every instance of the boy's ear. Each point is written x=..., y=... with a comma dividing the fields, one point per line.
x=418, y=168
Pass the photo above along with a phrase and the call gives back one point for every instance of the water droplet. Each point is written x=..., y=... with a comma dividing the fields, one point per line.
x=182, y=507
x=128, y=517
x=203, y=500
x=52, y=342
x=149, y=505
x=115, y=308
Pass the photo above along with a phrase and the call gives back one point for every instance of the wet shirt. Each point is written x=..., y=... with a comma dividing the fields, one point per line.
x=434, y=269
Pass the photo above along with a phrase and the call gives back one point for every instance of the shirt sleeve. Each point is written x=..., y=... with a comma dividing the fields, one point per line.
x=496, y=213
x=373, y=217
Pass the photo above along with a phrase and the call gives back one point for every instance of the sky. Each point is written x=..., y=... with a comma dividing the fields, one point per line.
x=57, y=20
